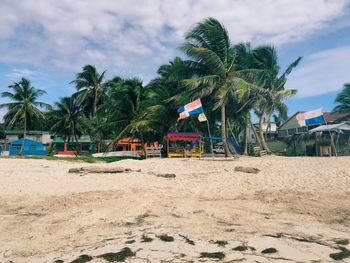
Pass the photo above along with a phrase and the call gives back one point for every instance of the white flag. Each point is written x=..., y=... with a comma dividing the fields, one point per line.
x=202, y=117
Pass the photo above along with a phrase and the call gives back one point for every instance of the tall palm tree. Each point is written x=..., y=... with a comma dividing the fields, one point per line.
x=24, y=107
x=214, y=63
x=266, y=59
x=343, y=99
x=90, y=87
x=69, y=123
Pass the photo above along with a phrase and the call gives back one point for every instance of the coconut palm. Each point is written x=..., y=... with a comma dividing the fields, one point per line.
x=266, y=59
x=213, y=60
x=69, y=122
x=343, y=99
x=24, y=108
x=90, y=87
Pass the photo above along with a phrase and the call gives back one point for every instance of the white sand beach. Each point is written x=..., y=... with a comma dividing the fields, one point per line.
x=296, y=208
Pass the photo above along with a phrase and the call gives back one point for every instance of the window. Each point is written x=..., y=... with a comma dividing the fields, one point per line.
x=33, y=148
x=302, y=129
x=282, y=133
x=292, y=131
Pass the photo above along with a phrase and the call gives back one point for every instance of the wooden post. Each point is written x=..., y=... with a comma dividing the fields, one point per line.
x=99, y=147
x=65, y=147
x=167, y=148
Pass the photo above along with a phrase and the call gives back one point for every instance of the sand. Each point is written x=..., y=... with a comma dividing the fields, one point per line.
x=296, y=208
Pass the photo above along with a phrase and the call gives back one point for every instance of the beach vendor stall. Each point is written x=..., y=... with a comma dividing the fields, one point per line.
x=184, y=144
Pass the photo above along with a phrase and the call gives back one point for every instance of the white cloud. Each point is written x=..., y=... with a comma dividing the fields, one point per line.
x=322, y=72
x=135, y=36
x=17, y=73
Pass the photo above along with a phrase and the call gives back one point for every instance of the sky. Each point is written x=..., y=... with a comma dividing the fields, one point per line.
x=49, y=41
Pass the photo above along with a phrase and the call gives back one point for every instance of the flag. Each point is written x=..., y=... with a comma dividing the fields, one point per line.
x=310, y=117
x=190, y=109
x=202, y=117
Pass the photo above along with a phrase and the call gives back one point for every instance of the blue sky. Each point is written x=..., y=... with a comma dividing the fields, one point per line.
x=49, y=41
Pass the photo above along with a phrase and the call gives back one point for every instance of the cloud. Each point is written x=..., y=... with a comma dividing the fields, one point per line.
x=134, y=37
x=16, y=74
x=321, y=72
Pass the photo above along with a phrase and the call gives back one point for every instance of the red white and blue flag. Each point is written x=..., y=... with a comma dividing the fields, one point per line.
x=310, y=117
x=190, y=109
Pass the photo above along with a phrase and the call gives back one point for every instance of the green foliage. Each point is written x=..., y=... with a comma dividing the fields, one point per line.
x=343, y=100
x=67, y=119
x=90, y=89
x=231, y=81
x=24, y=106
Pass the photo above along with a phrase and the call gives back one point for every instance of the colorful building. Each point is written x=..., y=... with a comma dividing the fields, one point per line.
x=30, y=147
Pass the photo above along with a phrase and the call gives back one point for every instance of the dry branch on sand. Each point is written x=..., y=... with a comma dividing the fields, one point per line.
x=101, y=170
x=250, y=170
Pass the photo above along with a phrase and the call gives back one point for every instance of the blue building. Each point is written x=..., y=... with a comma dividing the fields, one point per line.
x=30, y=148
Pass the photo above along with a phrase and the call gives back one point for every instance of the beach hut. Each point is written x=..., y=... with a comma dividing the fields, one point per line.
x=184, y=144
x=30, y=147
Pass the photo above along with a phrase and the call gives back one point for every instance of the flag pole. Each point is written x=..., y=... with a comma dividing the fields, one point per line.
x=211, y=140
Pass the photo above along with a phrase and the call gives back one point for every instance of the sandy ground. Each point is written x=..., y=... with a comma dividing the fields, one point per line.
x=298, y=209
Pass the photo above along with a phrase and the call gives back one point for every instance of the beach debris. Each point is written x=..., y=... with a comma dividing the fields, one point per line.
x=82, y=259
x=119, y=256
x=344, y=253
x=250, y=170
x=217, y=255
x=166, y=175
x=220, y=243
x=166, y=238
x=269, y=250
x=139, y=220
x=343, y=242
x=145, y=239
x=188, y=241
x=96, y=169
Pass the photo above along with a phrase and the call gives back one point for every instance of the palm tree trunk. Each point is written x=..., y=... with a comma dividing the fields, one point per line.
x=261, y=133
x=223, y=129
x=24, y=134
x=245, y=139
x=254, y=131
x=95, y=104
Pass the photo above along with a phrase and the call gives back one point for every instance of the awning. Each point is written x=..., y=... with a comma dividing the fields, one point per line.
x=183, y=136
x=339, y=127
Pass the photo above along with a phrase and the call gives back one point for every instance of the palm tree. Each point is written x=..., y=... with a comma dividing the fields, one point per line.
x=213, y=60
x=343, y=99
x=90, y=89
x=68, y=119
x=266, y=59
x=24, y=107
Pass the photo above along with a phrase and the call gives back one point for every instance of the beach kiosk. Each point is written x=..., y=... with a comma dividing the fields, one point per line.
x=184, y=144
x=30, y=148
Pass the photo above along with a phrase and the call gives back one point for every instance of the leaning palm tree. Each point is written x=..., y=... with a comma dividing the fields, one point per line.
x=213, y=60
x=24, y=107
x=69, y=123
x=343, y=100
x=90, y=87
x=266, y=59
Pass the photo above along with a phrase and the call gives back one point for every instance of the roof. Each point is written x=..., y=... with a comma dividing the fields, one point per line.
x=183, y=136
x=330, y=117
x=27, y=141
x=339, y=127
x=81, y=139
x=10, y=132
x=128, y=140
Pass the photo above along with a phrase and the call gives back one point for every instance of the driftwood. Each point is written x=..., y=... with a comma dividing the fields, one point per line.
x=250, y=170
x=166, y=175
x=93, y=170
